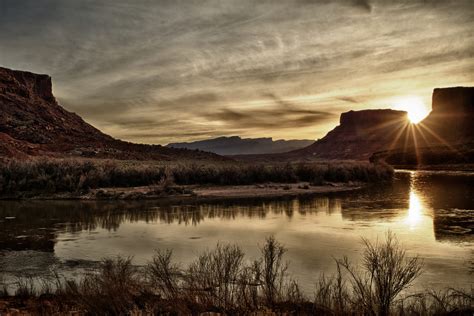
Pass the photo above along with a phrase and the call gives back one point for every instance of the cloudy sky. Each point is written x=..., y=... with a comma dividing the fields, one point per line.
x=177, y=70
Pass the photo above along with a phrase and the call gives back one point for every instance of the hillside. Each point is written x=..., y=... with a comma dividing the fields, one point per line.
x=32, y=123
x=236, y=145
x=446, y=136
x=359, y=135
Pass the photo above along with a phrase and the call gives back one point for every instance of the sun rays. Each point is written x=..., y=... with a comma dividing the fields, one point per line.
x=415, y=136
x=415, y=107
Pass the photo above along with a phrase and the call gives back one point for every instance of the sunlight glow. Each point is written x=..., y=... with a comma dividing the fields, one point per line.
x=414, y=215
x=416, y=108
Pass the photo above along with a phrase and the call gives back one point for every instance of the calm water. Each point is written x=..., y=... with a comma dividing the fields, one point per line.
x=431, y=213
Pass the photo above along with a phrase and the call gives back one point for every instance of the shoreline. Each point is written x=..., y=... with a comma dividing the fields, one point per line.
x=444, y=167
x=198, y=192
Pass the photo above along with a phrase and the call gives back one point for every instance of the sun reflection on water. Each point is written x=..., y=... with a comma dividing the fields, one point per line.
x=415, y=211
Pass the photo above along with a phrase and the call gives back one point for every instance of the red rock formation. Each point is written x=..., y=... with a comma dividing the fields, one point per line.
x=360, y=134
x=452, y=116
x=446, y=136
x=32, y=123
x=363, y=133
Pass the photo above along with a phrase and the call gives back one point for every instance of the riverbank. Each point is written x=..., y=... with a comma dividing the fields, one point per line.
x=200, y=193
x=101, y=179
x=440, y=167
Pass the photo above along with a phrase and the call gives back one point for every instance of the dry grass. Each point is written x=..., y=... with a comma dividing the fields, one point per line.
x=373, y=287
x=46, y=176
x=223, y=280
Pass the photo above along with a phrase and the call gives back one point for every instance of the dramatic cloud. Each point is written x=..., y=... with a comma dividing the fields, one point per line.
x=178, y=70
x=283, y=115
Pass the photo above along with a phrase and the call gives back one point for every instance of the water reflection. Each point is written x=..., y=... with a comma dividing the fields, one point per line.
x=432, y=213
x=415, y=211
x=34, y=225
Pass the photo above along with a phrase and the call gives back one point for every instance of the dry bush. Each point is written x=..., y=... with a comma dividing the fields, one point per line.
x=47, y=176
x=274, y=270
x=213, y=276
x=386, y=271
x=249, y=286
x=221, y=280
x=111, y=291
x=446, y=302
x=164, y=275
x=332, y=294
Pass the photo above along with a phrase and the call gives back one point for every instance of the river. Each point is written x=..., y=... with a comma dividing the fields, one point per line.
x=431, y=213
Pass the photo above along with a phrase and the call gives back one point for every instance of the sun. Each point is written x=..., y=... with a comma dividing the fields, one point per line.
x=414, y=106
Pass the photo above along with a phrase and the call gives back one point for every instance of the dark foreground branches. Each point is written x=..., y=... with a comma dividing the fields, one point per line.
x=223, y=280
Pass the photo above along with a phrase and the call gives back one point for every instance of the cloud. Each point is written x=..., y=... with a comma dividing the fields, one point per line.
x=348, y=99
x=178, y=68
x=365, y=5
x=283, y=114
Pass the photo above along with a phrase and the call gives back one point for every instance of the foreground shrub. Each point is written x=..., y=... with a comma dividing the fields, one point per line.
x=110, y=291
x=386, y=271
x=222, y=280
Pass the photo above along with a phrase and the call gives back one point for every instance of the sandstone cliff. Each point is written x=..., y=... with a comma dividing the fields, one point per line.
x=32, y=123
x=452, y=116
x=360, y=134
x=446, y=136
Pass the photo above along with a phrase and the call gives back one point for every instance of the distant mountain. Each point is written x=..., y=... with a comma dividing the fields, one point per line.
x=357, y=137
x=32, y=123
x=236, y=145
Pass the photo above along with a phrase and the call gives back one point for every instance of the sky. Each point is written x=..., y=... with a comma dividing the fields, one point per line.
x=181, y=70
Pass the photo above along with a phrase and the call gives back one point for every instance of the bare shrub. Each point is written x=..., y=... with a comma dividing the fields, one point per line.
x=220, y=280
x=332, y=294
x=213, y=276
x=111, y=291
x=386, y=272
x=249, y=284
x=164, y=275
x=273, y=270
x=445, y=302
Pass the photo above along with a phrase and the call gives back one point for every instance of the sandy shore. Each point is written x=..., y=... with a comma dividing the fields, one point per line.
x=201, y=192
x=271, y=190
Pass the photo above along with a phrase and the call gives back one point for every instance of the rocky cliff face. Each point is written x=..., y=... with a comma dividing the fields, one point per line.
x=363, y=133
x=451, y=119
x=32, y=123
x=446, y=136
x=26, y=84
x=360, y=134
x=29, y=112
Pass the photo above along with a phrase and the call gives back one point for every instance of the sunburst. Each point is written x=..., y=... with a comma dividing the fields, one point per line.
x=415, y=107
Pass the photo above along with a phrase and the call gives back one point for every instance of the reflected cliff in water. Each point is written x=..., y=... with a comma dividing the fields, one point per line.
x=433, y=203
x=431, y=213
